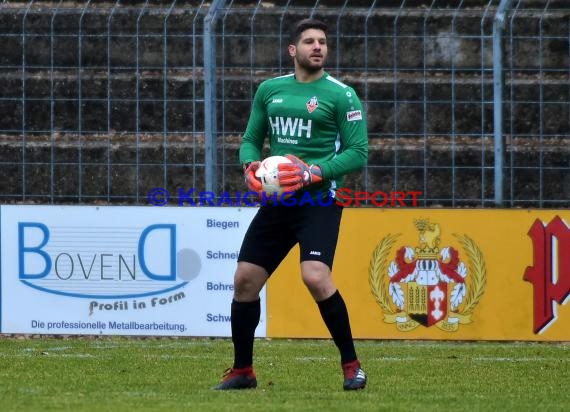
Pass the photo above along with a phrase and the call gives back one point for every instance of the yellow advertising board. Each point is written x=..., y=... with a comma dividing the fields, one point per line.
x=453, y=274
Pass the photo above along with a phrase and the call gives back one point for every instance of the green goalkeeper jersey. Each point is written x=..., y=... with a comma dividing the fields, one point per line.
x=321, y=122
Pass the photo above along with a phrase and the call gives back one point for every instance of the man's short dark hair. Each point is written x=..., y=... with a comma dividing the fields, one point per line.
x=303, y=25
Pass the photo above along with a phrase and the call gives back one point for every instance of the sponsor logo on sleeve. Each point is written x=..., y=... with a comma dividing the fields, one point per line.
x=354, y=115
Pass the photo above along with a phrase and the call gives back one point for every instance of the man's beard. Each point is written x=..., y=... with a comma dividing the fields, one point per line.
x=309, y=67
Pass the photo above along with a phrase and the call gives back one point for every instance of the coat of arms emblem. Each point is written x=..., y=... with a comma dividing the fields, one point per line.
x=427, y=285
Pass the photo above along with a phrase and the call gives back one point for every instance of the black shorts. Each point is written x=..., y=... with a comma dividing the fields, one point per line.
x=276, y=229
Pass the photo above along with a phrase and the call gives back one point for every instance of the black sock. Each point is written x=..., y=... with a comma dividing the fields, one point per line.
x=245, y=318
x=334, y=313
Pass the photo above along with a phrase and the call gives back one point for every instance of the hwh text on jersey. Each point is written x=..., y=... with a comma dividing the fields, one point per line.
x=296, y=127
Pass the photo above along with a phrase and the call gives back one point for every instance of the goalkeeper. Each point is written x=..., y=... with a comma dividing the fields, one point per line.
x=319, y=124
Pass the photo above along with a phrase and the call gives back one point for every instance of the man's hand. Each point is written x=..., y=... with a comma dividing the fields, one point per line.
x=298, y=174
x=253, y=182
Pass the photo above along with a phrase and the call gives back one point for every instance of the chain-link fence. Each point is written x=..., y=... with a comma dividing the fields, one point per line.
x=101, y=102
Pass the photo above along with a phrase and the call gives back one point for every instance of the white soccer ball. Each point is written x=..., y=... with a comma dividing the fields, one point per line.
x=268, y=174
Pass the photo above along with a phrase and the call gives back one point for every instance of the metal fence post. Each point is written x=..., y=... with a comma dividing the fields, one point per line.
x=210, y=126
x=498, y=25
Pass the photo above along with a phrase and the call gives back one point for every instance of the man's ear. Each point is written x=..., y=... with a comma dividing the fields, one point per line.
x=292, y=50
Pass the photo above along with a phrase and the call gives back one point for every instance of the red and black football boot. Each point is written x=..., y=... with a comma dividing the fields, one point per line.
x=354, y=376
x=243, y=378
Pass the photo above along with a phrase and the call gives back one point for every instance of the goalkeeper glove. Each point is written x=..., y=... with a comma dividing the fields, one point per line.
x=253, y=182
x=298, y=174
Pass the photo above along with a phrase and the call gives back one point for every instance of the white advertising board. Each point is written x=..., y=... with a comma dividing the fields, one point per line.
x=120, y=270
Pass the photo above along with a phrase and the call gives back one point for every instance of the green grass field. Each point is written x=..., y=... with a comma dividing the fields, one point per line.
x=169, y=374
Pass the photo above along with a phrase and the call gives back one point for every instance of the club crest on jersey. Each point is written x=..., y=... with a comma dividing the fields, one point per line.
x=312, y=104
x=426, y=285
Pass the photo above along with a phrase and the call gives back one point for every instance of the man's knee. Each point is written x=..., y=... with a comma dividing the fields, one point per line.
x=248, y=281
x=317, y=278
